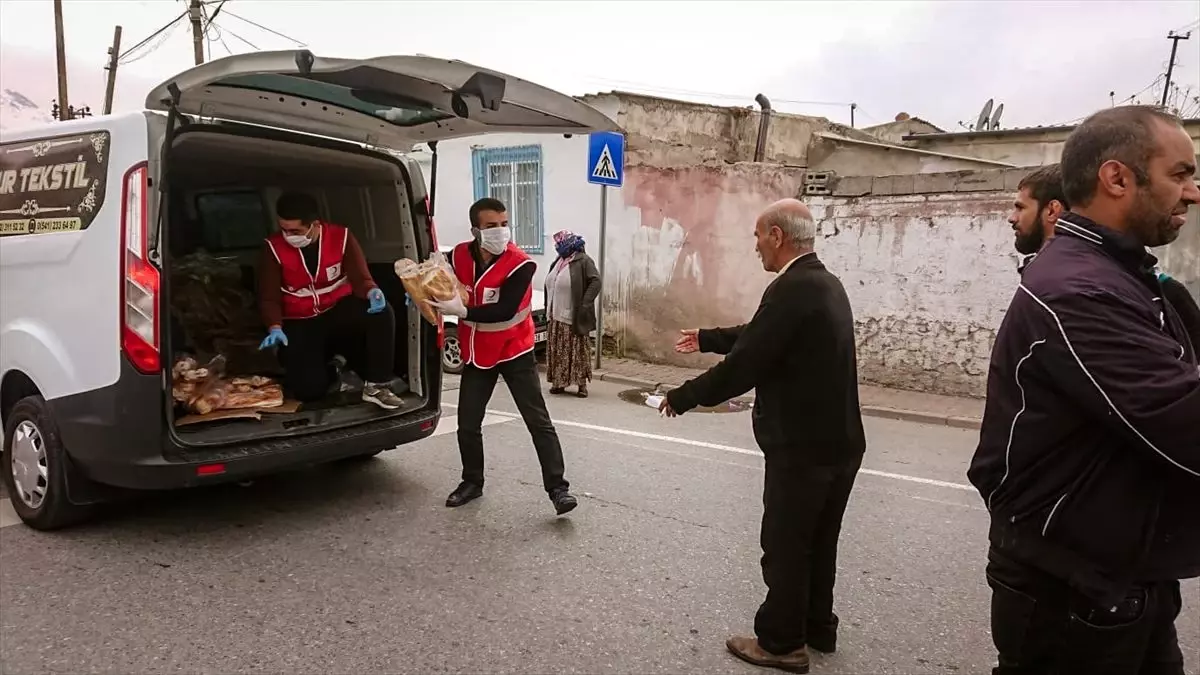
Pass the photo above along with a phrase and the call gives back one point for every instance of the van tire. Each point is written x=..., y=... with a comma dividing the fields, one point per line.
x=452, y=361
x=55, y=510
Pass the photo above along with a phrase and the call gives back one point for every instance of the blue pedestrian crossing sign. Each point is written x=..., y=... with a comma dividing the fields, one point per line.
x=606, y=158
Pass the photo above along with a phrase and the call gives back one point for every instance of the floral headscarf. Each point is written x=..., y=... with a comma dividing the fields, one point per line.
x=567, y=243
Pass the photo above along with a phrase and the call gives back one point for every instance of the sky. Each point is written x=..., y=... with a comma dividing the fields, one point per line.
x=1047, y=62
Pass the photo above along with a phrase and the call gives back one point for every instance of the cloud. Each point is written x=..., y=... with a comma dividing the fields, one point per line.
x=1047, y=62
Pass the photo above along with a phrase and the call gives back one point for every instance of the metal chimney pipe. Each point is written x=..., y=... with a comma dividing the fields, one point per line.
x=764, y=123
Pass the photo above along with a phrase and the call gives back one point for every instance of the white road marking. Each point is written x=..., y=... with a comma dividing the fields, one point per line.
x=8, y=516
x=449, y=423
x=729, y=448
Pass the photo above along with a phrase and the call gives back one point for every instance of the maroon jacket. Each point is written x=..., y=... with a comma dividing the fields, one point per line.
x=1089, y=454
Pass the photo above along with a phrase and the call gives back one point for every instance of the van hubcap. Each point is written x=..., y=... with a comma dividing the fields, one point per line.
x=452, y=353
x=30, y=472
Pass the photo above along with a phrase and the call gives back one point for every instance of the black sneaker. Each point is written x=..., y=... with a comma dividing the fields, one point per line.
x=563, y=501
x=465, y=492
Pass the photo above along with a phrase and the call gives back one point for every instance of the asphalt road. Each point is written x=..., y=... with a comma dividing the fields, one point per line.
x=362, y=569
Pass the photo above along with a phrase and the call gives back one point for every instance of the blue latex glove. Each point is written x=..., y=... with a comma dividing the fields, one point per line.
x=376, y=300
x=274, y=339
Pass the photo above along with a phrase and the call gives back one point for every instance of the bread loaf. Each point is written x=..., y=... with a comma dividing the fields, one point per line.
x=430, y=280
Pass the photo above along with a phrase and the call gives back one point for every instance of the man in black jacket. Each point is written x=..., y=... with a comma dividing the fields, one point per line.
x=797, y=352
x=1089, y=454
x=1036, y=208
x=1040, y=202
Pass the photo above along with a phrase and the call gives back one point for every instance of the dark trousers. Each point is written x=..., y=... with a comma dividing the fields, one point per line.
x=803, y=507
x=1041, y=626
x=475, y=390
x=366, y=340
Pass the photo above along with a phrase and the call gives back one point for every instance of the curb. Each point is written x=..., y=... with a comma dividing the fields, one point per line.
x=883, y=412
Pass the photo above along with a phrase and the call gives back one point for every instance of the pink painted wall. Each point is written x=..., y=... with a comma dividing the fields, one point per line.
x=683, y=254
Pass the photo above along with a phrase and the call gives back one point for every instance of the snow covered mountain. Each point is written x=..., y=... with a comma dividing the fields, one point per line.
x=17, y=111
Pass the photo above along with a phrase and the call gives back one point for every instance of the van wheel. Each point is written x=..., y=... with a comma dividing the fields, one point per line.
x=452, y=359
x=33, y=465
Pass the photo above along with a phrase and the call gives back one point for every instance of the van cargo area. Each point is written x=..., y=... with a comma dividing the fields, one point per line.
x=222, y=182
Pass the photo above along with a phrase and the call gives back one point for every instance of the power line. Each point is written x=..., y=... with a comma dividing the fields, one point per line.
x=1190, y=26
x=239, y=37
x=262, y=27
x=153, y=35
x=162, y=40
x=1144, y=90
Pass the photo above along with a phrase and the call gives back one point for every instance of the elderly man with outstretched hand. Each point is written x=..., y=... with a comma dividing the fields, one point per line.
x=797, y=352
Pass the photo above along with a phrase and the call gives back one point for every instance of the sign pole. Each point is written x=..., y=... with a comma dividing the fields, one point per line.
x=606, y=168
x=600, y=297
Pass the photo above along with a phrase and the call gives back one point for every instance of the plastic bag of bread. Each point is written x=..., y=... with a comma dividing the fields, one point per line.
x=431, y=280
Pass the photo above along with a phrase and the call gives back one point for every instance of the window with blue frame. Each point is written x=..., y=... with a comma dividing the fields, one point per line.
x=514, y=176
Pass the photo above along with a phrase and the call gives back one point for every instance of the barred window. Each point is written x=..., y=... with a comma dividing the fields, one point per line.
x=514, y=176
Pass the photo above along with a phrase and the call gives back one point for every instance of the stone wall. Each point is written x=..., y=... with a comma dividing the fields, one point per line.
x=927, y=261
x=929, y=266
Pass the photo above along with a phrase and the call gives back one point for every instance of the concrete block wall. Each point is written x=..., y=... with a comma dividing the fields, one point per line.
x=990, y=180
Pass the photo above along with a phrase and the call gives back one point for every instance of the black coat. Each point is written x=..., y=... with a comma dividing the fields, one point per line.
x=585, y=286
x=797, y=353
x=1189, y=312
x=1089, y=455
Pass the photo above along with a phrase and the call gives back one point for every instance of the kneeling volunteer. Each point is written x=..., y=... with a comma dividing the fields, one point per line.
x=316, y=295
x=496, y=335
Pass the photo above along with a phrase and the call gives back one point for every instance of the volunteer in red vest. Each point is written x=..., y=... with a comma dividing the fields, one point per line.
x=318, y=301
x=496, y=334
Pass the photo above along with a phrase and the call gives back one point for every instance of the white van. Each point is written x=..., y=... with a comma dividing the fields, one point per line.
x=94, y=213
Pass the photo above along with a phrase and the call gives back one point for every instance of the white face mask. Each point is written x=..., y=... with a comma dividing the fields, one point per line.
x=300, y=240
x=495, y=239
x=297, y=240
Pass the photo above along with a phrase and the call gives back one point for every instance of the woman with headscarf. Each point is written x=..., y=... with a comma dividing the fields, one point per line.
x=572, y=284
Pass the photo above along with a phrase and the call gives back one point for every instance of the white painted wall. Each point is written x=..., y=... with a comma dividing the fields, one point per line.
x=569, y=201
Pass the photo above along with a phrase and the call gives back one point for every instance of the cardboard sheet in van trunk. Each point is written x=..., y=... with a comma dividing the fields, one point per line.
x=289, y=406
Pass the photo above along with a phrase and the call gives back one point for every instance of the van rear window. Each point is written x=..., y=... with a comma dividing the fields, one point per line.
x=233, y=220
x=392, y=108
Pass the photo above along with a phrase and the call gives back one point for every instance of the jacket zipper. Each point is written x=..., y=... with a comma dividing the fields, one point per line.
x=1046, y=526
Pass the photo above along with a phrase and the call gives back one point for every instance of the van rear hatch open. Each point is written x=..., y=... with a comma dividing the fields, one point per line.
x=390, y=101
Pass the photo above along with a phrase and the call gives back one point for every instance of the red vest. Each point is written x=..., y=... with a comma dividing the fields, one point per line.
x=306, y=295
x=486, y=344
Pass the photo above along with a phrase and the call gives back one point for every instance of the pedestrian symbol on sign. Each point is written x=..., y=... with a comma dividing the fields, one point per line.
x=604, y=167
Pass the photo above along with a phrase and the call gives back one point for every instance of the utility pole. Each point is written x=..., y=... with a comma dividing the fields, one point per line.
x=113, y=53
x=1174, y=38
x=197, y=31
x=853, y=107
x=61, y=46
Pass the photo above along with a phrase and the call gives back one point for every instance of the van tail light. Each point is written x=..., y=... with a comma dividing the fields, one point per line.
x=441, y=329
x=140, y=279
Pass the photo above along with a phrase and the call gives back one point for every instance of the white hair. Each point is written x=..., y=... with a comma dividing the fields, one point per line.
x=798, y=230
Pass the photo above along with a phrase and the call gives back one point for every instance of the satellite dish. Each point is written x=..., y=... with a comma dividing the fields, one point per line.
x=981, y=123
x=995, y=123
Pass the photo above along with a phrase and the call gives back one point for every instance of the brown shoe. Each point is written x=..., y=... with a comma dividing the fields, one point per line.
x=747, y=649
